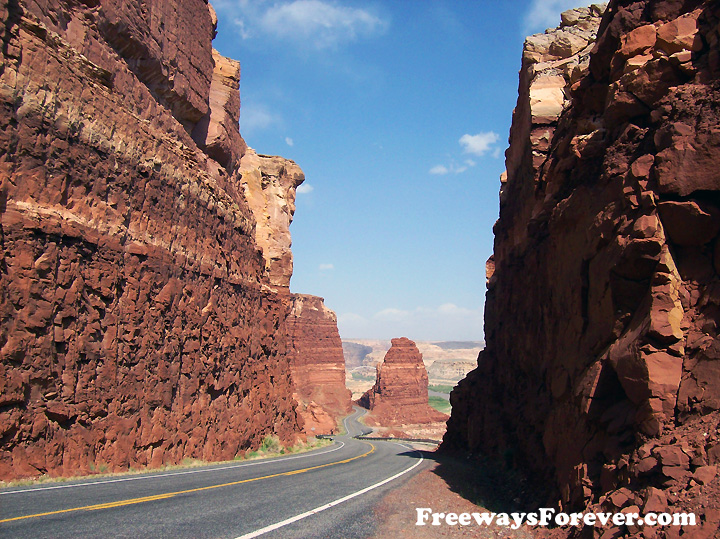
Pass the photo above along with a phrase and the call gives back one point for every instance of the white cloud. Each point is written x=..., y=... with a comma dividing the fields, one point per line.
x=289, y=141
x=326, y=267
x=478, y=144
x=244, y=32
x=257, y=117
x=321, y=23
x=453, y=167
x=545, y=14
x=304, y=189
x=445, y=322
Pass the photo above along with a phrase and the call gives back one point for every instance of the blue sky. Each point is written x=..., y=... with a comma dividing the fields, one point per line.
x=398, y=112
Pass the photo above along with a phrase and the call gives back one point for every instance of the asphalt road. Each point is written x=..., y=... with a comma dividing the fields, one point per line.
x=328, y=493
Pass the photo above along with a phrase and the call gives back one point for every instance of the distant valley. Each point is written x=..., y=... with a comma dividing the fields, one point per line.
x=447, y=362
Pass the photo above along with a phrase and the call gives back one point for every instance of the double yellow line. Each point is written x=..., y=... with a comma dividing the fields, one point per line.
x=132, y=501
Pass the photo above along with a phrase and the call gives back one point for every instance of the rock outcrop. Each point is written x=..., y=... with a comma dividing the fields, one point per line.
x=269, y=184
x=400, y=393
x=217, y=131
x=138, y=324
x=600, y=376
x=317, y=364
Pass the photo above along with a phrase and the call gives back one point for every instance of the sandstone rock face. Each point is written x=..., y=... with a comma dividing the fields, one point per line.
x=217, y=132
x=137, y=324
x=400, y=393
x=269, y=184
x=601, y=366
x=317, y=364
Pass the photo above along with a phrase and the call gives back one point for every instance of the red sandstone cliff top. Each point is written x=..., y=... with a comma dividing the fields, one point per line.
x=403, y=350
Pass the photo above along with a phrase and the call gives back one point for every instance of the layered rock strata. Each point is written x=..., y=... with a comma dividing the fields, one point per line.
x=600, y=376
x=137, y=321
x=317, y=364
x=400, y=393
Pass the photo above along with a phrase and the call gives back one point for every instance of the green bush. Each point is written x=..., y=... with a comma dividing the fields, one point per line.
x=271, y=444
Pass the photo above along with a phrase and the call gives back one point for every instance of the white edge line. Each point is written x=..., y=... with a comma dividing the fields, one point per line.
x=155, y=476
x=290, y=520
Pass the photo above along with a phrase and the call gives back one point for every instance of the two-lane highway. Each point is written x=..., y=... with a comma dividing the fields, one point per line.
x=324, y=493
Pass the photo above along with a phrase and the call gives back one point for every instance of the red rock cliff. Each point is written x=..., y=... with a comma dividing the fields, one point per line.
x=600, y=378
x=317, y=364
x=400, y=393
x=137, y=321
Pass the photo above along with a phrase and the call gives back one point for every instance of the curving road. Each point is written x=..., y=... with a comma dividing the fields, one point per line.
x=325, y=493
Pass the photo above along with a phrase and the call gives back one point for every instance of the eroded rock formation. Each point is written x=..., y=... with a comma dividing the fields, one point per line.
x=269, y=184
x=138, y=324
x=317, y=364
x=600, y=376
x=400, y=393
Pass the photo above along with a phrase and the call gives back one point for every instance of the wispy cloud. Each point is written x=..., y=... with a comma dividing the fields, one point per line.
x=321, y=23
x=304, y=189
x=326, y=267
x=452, y=168
x=478, y=144
x=439, y=170
x=545, y=14
x=289, y=141
x=257, y=117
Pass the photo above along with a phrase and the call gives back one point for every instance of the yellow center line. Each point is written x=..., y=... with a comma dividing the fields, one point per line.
x=132, y=501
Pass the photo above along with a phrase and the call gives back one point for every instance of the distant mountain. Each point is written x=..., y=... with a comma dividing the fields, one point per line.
x=355, y=354
x=459, y=345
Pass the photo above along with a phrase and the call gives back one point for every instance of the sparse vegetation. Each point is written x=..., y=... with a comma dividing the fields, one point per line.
x=98, y=468
x=440, y=404
x=441, y=388
x=270, y=447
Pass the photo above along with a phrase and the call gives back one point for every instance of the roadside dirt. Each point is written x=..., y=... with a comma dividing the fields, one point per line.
x=447, y=486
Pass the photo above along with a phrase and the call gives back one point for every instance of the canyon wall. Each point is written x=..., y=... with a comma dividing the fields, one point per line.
x=317, y=364
x=140, y=323
x=600, y=379
x=400, y=393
